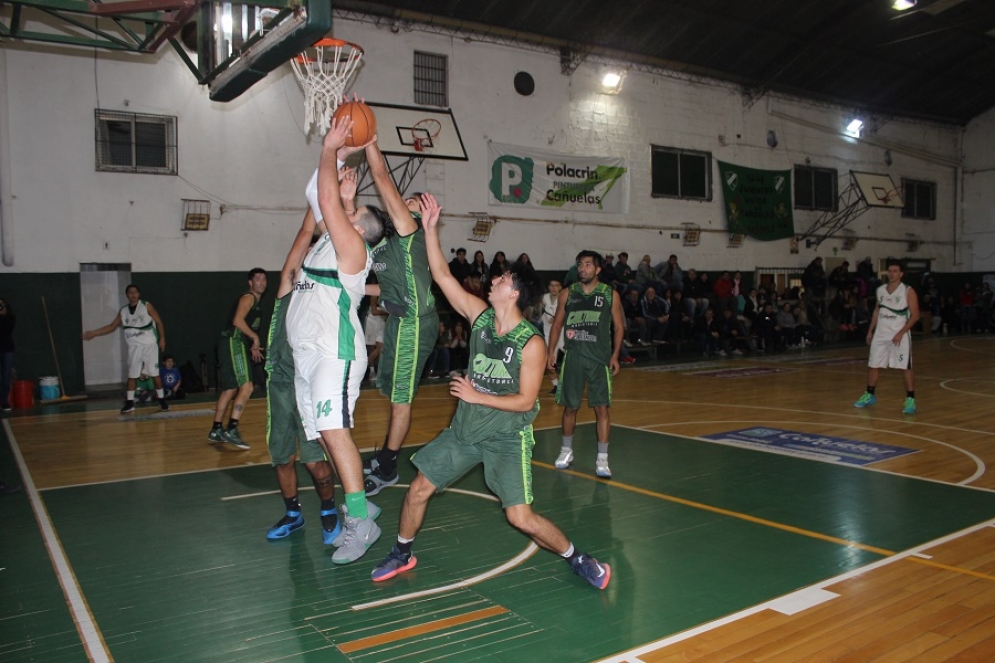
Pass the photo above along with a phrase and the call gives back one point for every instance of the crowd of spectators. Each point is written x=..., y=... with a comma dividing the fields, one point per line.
x=664, y=303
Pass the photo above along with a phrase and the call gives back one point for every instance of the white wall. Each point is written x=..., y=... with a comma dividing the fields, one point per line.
x=252, y=155
x=979, y=192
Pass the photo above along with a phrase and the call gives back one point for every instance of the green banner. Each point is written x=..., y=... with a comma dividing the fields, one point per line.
x=757, y=202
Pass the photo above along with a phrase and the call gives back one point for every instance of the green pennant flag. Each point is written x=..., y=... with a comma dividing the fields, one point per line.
x=757, y=202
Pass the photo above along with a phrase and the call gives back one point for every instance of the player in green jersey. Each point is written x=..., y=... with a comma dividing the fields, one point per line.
x=590, y=315
x=401, y=267
x=498, y=400
x=285, y=436
x=239, y=342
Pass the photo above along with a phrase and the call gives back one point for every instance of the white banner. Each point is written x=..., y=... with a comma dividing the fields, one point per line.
x=524, y=177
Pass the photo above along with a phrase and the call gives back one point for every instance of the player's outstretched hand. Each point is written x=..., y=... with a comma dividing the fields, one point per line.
x=462, y=388
x=347, y=186
x=337, y=133
x=430, y=211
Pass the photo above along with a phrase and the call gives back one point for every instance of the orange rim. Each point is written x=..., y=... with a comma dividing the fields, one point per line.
x=304, y=58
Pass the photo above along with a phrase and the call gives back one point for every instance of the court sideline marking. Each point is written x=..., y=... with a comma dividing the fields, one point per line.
x=86, y=624
x=632, y=655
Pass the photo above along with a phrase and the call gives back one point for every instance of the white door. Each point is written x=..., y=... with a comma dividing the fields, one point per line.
x=102, y=296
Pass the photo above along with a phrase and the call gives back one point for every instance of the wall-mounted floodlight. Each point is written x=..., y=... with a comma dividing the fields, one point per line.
x=902, y=5
x=611, y=82
x=855, y=127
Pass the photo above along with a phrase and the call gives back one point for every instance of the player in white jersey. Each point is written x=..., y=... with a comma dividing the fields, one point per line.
x=146, y=336
x=890, y=336
x=326, y=338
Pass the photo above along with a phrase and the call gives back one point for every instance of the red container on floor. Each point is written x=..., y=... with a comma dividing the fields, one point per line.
x=22, y=393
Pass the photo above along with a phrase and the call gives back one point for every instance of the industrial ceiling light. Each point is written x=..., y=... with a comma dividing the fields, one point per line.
x=902, y=5
x=611, y=83
x=854, y=128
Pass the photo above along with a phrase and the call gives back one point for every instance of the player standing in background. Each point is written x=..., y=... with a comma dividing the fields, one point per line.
x=890, y=335
x=146, y=336
x=239, y=342
x=590, y=316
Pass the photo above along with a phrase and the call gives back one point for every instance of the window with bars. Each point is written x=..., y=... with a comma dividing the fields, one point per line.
x=919, y=198
x=681, y=173
x=135, y=143
x=815, y=188
x=431, y=79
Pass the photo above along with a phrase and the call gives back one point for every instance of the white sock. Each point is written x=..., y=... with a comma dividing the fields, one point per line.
x=129, y=396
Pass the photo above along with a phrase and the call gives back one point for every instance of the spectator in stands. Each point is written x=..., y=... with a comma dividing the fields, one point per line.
x=695, y=301
x=438, y=361
x=814, y=280
x=706, y=289
x=985, y=304
x=671, y=274
x=645, y=276
x=474, y=286
x=624, y=275
x=784, y=327
x=723, y=291
x=458, y=352
x=656, y=312
x=949, y=312
x=459, y=267
x=734, y=336
x=867, y=274
x=524, y=259
x=737, y=291
x=966, y=302
x=932, y=303
x=172, y=381
x=764, y=327
x=839, y=279
x=708, y=334
x=607, y=274
x=679, y=328
x=635, y=323
x=840, y=310
x=480, y=268
x=751, y=307
x=499, y=265
x=804, y=328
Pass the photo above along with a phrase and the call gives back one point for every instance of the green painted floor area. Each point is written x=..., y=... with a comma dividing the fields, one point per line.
x=174, y=572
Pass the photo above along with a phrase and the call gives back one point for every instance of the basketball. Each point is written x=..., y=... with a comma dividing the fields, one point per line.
x=364, y=122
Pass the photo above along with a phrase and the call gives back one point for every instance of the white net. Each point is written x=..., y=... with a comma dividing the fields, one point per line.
x=324, y=71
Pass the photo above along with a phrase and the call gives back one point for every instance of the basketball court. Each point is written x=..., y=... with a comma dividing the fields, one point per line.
x=137, y=541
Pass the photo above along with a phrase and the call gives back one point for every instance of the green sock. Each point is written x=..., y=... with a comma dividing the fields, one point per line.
x=356, y=504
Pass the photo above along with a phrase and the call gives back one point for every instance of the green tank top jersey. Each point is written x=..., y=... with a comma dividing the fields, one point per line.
x=587, y=327
x=279, y=356
x=495, y=367
x=254, y=319
x=401, y=266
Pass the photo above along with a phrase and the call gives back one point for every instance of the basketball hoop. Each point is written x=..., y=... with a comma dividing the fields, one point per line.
x=424, y=132
x=324, y=70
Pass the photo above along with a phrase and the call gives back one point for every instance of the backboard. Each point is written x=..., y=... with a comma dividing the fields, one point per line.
x=415, y=131
x=877, y=190
x=252, y=40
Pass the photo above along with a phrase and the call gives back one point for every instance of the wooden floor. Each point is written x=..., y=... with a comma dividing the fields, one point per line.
x=889, y=569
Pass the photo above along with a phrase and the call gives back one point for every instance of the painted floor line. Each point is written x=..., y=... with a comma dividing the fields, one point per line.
x=530, y=550
x=724, y=512
x=86, y=625
x=632, y=655
x=420, y=629
x=767, y=408
x=955, y=569
x=980, y=467
x=802, y=600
